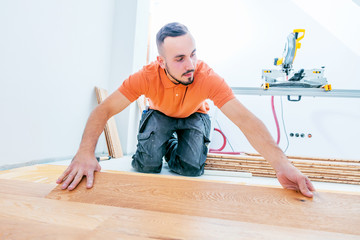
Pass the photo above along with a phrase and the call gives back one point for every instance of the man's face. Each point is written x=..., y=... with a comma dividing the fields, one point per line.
x=178, y=58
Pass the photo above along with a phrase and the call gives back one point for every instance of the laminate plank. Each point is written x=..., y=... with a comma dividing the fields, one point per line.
x=23, y=217
x=67, y=214
x=157, y=225
x=329, y=174
x=42, y=173
x=336, y=165
x=37, y=218
x=325, y=212
x=309, y=158
x=352, y=175
x=25, y=188
x=110, y=130
x=18, y=228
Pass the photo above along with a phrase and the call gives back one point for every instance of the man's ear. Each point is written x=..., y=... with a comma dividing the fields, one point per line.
x=161, y=61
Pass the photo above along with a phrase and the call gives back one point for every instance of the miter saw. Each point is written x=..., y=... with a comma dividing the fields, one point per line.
x=286, y=77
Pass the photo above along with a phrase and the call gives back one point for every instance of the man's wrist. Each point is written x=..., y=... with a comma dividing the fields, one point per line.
x=84, y=153
x=279, y=163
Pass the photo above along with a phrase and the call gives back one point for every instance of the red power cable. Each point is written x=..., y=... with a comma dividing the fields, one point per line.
x=224, y=142
x=276, y=120
x=211, y=150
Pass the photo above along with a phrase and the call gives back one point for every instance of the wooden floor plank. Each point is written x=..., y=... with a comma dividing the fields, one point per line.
x=175, y=226
x=67, y=214
x=18, y=228
x=42, y=173
x=25, y=188
x=23, y=217
x=325, y=212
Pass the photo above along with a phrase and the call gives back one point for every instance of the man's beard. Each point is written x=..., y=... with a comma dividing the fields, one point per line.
x=190, y=79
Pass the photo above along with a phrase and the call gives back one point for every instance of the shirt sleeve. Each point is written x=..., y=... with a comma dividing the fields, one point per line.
x=219, y=92
x=134, y=86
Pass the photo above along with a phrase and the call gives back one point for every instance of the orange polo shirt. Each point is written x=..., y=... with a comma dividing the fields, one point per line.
x=177, y=100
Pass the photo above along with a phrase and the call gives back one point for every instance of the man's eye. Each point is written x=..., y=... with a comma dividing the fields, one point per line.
x=179, y=59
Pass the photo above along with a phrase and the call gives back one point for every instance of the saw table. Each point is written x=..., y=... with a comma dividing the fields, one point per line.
x=308, y=92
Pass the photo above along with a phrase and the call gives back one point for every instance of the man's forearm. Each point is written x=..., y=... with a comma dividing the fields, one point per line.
x=94, y=127
x=260, y=138
x=255, y=131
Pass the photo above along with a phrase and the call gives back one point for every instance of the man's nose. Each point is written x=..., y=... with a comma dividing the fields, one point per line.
x=189, y=64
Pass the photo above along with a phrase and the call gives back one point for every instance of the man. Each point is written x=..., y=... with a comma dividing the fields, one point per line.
x=176, y=126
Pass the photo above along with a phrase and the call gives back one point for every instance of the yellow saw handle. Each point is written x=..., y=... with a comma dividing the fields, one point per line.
x=297, y=32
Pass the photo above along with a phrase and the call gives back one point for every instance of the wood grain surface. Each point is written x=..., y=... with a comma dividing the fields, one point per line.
x=42, y=173
x=145, y=206
x=24, y=217
x=25, y=188
x=259, y=205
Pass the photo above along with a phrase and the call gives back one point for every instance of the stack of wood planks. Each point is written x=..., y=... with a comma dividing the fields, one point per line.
x=317, y=169
x=111, y=133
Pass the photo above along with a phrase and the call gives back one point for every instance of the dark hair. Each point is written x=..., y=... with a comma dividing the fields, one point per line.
x=174, y=29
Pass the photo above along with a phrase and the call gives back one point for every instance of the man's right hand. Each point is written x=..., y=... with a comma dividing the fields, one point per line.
x=81, y=165
x=84, y=163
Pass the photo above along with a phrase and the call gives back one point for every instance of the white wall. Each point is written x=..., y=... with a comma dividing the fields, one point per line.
x=52, y=54
x=238, y=38
x=129, y=51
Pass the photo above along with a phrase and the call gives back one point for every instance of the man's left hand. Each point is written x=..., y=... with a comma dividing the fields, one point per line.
x=291, y=178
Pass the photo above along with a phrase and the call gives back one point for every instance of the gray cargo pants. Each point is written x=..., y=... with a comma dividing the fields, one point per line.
x=183, y=142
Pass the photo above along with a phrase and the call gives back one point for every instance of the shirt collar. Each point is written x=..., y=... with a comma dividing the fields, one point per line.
x=165, y=79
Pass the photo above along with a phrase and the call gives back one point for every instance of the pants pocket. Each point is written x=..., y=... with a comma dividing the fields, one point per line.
x=143, y=142
x=144, y=117
x=207, y=124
